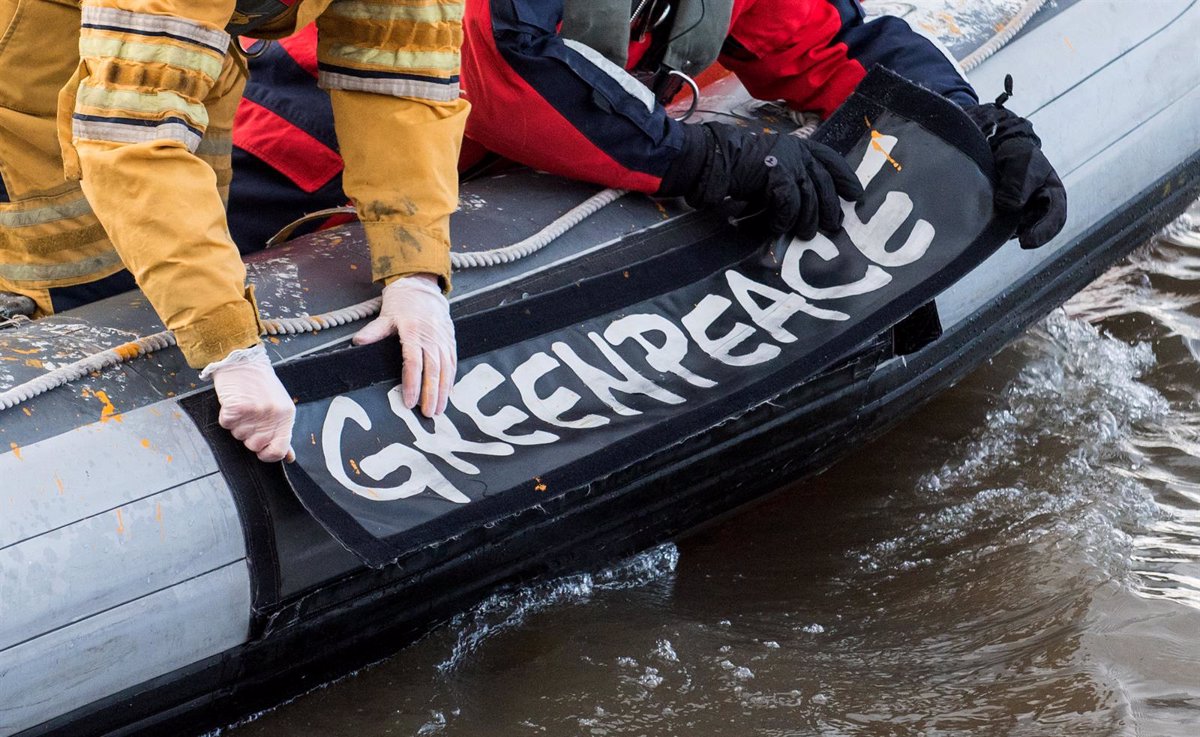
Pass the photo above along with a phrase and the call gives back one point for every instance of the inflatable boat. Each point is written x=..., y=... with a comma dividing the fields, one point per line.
x=629, y=370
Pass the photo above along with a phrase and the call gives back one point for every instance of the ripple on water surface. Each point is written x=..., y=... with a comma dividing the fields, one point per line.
x=1022, y=557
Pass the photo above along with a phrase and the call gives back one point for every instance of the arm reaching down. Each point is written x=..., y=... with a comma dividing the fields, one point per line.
x=392, y=71
x=151, y=107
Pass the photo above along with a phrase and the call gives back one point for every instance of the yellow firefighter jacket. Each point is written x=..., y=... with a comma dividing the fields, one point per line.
x=134, y=100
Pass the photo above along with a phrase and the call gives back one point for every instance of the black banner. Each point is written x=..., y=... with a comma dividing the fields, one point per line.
x=562, y=389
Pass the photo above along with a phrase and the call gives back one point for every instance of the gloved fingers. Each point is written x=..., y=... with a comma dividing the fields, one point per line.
x=783, y=206
x=430, y=381
x=240, y=430
x=446, y=379
x=807, y=221
x=374, y=331
x=844, y=180
x=257, y=442
x=1046, y=215
x=1022, y=171
x=278, y=449
x=410, y=375
x=829, y=206
x=228, y=418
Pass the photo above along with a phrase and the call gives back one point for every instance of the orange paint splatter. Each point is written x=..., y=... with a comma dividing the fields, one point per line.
x=120, y=523
x=28, y=352
x=59, y=483
x=127, y=351
x=875, y=136
x=950, y=24
x=158, y=517
x=28, y=412
x=33, y=363
x=354, y=465
x=108, y=411
x=16, y=450
x=146, y=443
x=1067, y=41
x=541, y=486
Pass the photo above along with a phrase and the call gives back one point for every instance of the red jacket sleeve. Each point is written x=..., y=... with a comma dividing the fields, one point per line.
x=558, y=106
x=813, y=53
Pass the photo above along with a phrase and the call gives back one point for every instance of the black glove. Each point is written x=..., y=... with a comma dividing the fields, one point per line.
x=796, y=181
x=1028, y=185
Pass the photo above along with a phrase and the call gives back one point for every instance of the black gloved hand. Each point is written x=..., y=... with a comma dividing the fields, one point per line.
x=1028, y=185
x=798, y=182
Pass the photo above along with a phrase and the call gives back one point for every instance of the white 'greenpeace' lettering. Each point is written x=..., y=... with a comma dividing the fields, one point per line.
x=477, y=384
x=664, y=342
x=422, y=474
x=872, y=236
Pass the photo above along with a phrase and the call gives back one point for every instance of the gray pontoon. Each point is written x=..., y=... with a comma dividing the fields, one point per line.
x=153, y=581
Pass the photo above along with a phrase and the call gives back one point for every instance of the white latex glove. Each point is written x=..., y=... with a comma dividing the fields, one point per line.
x=415, y=309
x=255, y=408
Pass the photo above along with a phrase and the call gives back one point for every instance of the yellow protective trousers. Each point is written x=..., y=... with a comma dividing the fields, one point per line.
x=115, y=142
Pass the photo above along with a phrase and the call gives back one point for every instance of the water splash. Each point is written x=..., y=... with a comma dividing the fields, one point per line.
x=507, y=610
x=1078, y=400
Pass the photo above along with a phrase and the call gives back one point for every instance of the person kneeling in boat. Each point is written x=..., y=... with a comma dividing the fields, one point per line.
x=578, y=88
x=142, y=129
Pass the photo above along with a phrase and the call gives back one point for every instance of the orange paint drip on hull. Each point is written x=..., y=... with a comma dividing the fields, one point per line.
x=108, y=411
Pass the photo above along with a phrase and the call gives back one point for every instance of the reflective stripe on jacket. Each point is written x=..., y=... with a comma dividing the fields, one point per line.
x=145, y=126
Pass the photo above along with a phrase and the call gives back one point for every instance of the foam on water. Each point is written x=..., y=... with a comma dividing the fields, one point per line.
x=506, y=610
x=1079, y=400
x=1119, y=492
x=1163, y=455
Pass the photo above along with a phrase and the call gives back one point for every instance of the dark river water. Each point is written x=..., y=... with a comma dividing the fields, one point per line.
x=1021, y=557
